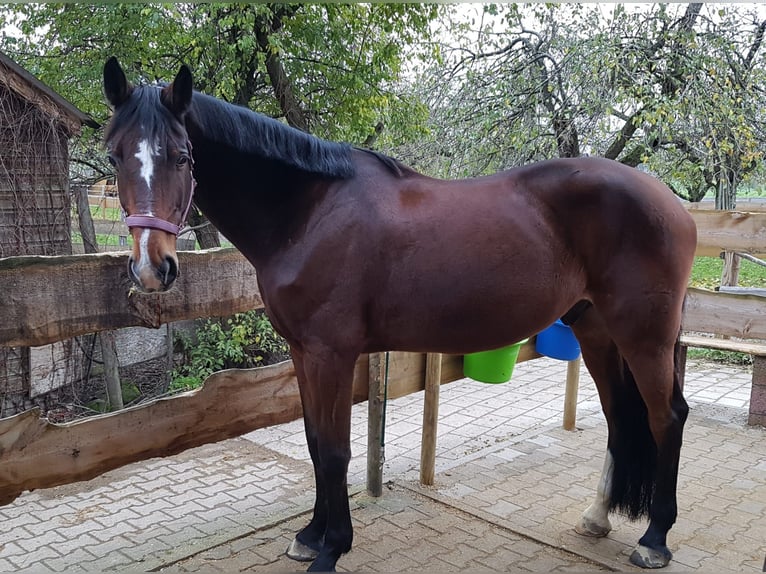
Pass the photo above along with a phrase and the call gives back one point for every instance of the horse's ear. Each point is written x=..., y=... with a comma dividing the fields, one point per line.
x=177, y=96
x=116, y=86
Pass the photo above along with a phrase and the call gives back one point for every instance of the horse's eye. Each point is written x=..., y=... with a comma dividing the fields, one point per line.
x=111, y=160
x=182, y=160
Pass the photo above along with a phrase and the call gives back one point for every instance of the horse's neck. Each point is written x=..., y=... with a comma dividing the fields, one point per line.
x=254, y=203
x=257, y=202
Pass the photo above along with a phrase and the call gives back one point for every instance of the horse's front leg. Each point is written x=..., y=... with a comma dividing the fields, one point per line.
x=325, y=381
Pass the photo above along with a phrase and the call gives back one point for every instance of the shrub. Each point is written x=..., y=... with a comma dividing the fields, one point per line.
x=242, y=341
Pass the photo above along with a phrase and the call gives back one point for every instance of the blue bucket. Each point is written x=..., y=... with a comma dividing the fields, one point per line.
x=558, y=342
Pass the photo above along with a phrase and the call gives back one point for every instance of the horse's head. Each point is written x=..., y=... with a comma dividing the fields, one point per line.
x=148, y=145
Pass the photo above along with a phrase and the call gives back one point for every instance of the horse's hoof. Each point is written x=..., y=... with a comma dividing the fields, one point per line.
x=315, y=568
x=301, y=552
x=588, y=527
x=646, y=557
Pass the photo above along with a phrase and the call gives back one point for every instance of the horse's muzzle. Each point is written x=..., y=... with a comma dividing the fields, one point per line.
x=150, y=279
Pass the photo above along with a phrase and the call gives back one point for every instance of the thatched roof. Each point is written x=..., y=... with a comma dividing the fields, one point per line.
x=28, y=87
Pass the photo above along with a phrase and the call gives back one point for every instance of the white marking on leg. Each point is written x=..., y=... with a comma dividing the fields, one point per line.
x=595, y=519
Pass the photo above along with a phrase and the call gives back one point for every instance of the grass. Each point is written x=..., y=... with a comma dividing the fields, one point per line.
x=100, y=213
x=103, y=240
x=717, y=356
x=105, y=213
x=706, y=273
x=747, y=191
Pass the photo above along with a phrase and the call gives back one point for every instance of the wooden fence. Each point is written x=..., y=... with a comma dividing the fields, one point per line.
x=46, y=299
x=719, y=231
x=92, y=293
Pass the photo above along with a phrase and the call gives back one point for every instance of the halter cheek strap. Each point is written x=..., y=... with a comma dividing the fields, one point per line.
x=154, y=222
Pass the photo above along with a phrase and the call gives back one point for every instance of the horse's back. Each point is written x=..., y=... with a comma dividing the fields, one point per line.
x=608, y=209
x=576, y=206
x=586, y=184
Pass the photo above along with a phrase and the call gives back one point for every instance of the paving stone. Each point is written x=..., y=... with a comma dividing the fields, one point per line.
x=501, y=453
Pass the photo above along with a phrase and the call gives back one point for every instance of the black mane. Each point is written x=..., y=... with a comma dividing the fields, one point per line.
x=253, y=133
x=144, y=105
x=245, y=131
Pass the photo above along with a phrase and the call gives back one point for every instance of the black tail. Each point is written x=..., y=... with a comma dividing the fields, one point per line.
x=633, y=450
x=632, y=445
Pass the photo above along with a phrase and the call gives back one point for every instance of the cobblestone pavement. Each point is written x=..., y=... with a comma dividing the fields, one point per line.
x=510, y=483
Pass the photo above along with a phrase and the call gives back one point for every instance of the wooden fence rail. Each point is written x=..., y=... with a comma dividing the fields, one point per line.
x=37, y=454
x=46, y=299
x=729, y=231
x=725, y=313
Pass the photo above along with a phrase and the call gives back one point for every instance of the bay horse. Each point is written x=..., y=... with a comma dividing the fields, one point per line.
x=357, y=253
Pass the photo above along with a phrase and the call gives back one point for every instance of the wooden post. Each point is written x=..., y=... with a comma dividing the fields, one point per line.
x=570, y=395
x=169, y=342
x=106, y=338
x=681, y=365
x=430, y=417
x=757, y=414
x=111, y=370
x=730, y=272
x=375, y=406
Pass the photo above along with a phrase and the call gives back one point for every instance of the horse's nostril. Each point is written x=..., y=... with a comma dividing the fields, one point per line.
x=168, y=271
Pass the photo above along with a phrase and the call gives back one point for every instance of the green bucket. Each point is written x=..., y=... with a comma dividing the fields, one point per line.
x=495, y=366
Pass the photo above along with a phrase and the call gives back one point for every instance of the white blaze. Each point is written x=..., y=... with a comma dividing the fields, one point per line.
x=144, y=261
x=146, y=152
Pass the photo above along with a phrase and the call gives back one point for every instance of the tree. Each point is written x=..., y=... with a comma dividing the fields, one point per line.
x=328, y=66
x=325, y=68
x=678, y=88
x=699, y=116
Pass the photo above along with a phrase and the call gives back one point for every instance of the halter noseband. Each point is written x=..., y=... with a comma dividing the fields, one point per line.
x=154, y=222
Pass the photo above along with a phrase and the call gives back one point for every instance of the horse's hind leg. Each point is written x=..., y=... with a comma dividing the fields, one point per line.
x=605, y=366
x=325, y=382
x=658, y=381
x=645, y=413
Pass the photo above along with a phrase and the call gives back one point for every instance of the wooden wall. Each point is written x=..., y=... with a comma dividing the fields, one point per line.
x=34, y=181
x=34, y=209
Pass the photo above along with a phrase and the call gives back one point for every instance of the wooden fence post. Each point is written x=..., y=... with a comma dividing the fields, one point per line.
x=375, y=405
x=106, y=338
x=757, y=414
x=570, y=394
x=430, y=417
